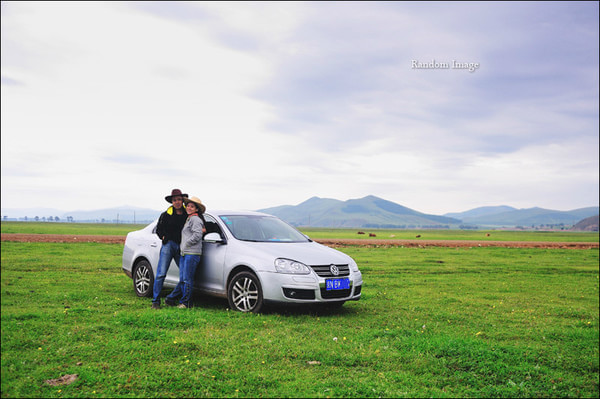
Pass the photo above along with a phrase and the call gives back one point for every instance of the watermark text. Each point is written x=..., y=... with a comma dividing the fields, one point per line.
x=454, y=64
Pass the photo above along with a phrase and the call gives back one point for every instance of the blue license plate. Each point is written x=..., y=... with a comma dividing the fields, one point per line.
x=337, y=284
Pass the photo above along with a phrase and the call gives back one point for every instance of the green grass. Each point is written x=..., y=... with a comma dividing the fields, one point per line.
x=433, y=322
x=494, y=235
x=69, y=228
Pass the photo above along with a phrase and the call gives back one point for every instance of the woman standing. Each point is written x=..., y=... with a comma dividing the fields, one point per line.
x=191, y=251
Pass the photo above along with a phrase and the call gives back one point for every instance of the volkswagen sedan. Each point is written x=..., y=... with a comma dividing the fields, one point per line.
x=251, y=259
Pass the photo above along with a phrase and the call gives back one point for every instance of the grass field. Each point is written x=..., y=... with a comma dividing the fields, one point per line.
x=69, y=228
x=483, y=235
x=433, y=322
x=321, y=233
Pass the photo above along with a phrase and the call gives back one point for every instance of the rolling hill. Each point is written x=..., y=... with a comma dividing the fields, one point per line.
x=587, y=224
x=369, y=211
x=526, y=217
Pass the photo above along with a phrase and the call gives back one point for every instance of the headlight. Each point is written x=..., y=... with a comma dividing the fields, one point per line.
x=353, y=266
x=289, y=266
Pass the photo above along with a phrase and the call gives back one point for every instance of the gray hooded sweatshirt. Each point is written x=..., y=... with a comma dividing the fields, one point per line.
x=191, y=236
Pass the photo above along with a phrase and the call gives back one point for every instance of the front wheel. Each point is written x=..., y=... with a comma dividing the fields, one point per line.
x=143, y=279
x=245, y=293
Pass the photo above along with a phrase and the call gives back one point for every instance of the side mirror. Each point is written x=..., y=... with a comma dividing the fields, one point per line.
x=214, y=237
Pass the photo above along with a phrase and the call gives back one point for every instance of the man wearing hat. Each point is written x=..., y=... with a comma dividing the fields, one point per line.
x=191, y=253
x=168, y=230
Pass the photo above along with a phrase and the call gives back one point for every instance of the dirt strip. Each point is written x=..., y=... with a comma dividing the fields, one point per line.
x=329, y=242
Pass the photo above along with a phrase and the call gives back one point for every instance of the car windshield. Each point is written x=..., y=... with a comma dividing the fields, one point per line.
x=262, y=229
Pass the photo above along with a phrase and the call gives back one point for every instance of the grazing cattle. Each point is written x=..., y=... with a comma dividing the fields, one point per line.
x=418, y=236
x=392, y=235
x=372, y=235
x=487, y=235
x=361, y=232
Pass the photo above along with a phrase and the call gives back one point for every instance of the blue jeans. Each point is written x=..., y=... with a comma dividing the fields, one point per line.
x=168, y=252
x=185, y=287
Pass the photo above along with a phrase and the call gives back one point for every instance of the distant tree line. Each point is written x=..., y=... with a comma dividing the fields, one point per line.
x=556, y=226
x=69, y=219
x=35, y=219
x=405, y=226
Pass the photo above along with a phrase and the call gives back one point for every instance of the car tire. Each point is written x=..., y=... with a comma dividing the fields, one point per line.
x=143, y=279
x=245, y=293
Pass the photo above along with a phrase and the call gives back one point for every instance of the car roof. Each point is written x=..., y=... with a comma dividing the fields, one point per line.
x=221, y=212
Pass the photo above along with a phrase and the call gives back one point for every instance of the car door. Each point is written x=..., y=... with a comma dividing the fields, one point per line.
x=210, y=275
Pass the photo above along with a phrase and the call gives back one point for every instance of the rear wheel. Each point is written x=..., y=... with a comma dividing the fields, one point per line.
x=143, y=279
x=245, y=293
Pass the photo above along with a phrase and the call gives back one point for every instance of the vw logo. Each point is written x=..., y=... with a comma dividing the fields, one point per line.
x=334, y=270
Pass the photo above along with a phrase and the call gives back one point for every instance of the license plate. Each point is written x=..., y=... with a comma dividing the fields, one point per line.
x=337, y=284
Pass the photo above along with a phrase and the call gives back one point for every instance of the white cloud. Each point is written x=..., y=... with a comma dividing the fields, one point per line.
x=251, y=105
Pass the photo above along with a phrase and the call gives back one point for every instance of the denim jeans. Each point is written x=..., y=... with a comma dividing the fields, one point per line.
x=185, y=287
x=168, y=252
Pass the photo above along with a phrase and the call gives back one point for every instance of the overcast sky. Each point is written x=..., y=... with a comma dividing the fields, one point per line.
x=253, y=105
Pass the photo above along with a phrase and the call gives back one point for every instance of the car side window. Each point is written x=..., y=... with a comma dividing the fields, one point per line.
x=212, y=226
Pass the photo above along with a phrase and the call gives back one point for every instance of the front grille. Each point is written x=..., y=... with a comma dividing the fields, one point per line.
x=324, y=270
x=335, y=293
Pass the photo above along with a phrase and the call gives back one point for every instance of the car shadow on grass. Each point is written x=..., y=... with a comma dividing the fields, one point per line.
x=320, y=310
x=317, y=310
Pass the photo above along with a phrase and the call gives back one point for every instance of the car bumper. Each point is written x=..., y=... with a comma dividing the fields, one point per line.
x=288, y=288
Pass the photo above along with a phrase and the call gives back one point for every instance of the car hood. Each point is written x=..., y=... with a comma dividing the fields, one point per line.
x=309, y=253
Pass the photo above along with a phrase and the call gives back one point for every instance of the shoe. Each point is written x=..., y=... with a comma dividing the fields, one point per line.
x=182, y=306
x=155, y=305
x=170, y=302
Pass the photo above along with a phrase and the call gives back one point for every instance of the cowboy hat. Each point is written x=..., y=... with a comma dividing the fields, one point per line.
x=196, y=201
x=174, y=193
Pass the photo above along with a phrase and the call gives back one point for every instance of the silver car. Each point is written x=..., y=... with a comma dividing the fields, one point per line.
x=251, y=259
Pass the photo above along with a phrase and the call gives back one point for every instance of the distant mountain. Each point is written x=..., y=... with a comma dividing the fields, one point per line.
x=365, y=212
x=311, y=207
x=375, y=212
x=587, y=224
x=482, y=211
x=531, y=217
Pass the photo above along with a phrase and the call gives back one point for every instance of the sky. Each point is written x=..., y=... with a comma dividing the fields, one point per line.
x=437, y=106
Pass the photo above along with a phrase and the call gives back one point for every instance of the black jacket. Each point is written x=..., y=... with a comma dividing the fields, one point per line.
x=170, y=224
